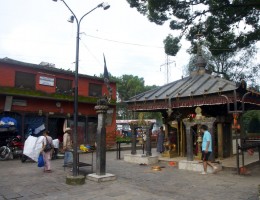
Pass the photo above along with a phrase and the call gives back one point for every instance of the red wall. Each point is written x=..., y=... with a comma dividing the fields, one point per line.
x=8, y=79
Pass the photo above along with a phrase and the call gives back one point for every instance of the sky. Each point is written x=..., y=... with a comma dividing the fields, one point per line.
x=37, y=31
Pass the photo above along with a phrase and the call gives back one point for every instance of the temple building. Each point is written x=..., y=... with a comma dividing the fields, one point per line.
x=200, y=98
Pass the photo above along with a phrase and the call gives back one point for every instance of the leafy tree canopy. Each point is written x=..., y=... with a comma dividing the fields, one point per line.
x=129, y=86
x=230, y=65
x=226, y=24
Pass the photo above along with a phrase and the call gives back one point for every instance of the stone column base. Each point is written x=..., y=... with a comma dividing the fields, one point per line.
x=141, y=159
x=102, y=178
x=197, y=166
x=75, y=180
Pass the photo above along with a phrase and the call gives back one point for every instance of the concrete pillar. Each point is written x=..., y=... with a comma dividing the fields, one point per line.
x=101, y=140
x=220, y=139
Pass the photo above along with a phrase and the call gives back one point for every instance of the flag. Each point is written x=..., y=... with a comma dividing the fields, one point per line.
x=106, y=77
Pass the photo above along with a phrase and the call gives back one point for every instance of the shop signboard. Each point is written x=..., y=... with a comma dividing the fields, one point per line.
x=46, y=81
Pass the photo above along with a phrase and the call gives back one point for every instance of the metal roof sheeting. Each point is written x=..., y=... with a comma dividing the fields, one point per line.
x=197, y=84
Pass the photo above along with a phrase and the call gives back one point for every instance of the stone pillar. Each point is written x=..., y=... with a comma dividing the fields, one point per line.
x=220, y=139
x=189, y=141
x=133, y=144
x=148, y=140
x=101, y=140
x=211, y=130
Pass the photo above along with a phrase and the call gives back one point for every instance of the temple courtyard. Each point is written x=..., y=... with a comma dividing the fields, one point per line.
x=134, y=181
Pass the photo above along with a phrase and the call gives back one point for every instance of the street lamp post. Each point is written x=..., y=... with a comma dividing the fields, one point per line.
x=105, y=6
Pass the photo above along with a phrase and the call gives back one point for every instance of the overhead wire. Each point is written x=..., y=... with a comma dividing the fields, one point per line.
x=121, y=42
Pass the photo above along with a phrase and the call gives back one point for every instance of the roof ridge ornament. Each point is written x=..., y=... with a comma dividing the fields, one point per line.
x=201, y=63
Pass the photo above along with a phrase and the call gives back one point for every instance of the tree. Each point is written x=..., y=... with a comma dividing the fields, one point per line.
x=230, y=65
x=226, y=24
x=129, y=86
x=251, y=122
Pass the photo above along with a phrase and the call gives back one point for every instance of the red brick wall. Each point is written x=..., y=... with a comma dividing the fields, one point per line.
x=7, y=76
x=46, y=106
x=8, y=79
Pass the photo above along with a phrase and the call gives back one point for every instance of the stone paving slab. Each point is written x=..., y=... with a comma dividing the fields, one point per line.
x=22, y=181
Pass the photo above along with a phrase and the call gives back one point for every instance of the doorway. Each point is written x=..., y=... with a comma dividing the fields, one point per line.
x=55, y=127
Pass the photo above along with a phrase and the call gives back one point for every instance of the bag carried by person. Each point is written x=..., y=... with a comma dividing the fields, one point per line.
x=48, y=146
x=40, y=161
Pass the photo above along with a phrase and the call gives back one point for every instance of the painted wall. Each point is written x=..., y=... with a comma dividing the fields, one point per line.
x=44, y=106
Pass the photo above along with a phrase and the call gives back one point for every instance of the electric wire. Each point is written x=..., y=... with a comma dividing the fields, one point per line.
x=121, y=42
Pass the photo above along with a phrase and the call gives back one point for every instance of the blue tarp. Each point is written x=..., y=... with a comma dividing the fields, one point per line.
x=7, y=122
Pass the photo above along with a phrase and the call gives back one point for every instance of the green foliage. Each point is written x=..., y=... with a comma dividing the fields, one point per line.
x=171, y=45
x=225, y=24
x=251, y=122
x=35, y=93
x=234, y=66
x=129, y=86
x=123, y=139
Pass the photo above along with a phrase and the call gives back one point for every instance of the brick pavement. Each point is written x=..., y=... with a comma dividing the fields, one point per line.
x=26, y=181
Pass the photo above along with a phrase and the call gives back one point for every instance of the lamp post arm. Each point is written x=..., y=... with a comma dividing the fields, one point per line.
x=100, y=5
x=71, y=11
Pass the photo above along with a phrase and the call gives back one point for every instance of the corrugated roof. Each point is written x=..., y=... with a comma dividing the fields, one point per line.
x=47, y=67
x=197, y=84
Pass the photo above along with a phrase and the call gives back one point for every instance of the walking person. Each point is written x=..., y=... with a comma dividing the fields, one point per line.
x=206, y=147
x=160, y=140
x=47, y=150
x=67, y=146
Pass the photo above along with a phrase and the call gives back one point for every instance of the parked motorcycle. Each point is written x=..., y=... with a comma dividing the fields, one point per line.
x=13, y=148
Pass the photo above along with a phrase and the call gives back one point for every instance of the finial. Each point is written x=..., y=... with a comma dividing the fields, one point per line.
x=201, y=63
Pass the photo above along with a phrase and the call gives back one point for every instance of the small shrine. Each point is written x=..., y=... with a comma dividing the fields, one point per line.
x=200, y=98
x=146, y=158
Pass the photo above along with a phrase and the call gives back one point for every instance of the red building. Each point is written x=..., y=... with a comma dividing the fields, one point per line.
x=37, y=95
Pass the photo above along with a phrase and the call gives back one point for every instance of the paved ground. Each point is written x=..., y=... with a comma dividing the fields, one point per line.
x=27, y=181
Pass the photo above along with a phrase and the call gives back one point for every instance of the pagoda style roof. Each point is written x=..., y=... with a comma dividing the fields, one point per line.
x=198, y=89
x=197, y=84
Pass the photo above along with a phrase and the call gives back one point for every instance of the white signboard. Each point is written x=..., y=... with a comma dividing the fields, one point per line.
x=46, y=81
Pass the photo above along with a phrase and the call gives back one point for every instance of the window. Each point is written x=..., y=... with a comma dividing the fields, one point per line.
x=95, y=90
x=63, y=86
x=25, y=80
